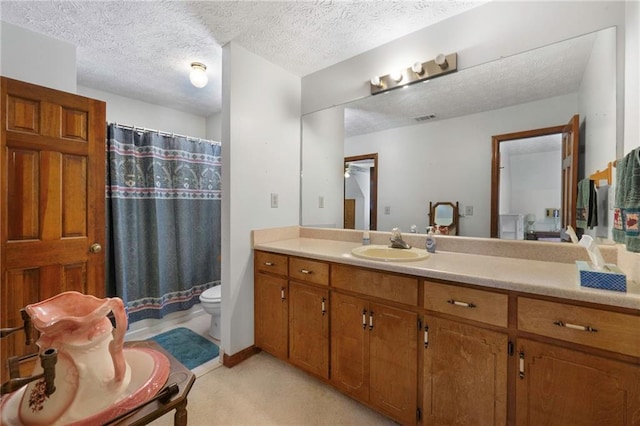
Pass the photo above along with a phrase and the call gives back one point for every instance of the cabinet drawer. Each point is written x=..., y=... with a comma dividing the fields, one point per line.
x=271, y=262
x=587, y=326
x=477, y=305
x=310, y=271
x=377, y=284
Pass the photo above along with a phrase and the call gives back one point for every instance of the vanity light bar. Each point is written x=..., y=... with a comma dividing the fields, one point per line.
x=440, y=66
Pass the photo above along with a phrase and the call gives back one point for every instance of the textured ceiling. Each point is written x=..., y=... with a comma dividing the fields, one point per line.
x=550, y=71
x=142, y=49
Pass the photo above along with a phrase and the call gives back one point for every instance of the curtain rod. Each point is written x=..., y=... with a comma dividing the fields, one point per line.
x=162, y=133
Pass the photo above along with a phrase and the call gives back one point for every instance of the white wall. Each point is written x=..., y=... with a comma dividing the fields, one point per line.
x=261, y=155
x=37, y=59
x=535, y=185
x=323, y=174
x=214, y=127
x=631, y=79
x=597, y=103
x=448, y=160
x=132, y=112
x=482, y=34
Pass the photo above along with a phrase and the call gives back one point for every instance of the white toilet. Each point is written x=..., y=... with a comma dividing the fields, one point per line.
x=210, y=300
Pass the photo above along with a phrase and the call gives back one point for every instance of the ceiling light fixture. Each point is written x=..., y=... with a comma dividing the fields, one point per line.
x=347, y=174
x=442, y=64
x=198, y=75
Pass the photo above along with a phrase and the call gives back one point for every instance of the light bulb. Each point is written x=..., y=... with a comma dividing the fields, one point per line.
x=396, y=76
x=198, y=75
x=375, y=81
x=441, y=61
x=417, y=68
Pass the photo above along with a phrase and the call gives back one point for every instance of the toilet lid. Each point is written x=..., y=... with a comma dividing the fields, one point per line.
x=211, y=294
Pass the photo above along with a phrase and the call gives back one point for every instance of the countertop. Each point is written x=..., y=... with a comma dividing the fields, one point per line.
x=522, y=275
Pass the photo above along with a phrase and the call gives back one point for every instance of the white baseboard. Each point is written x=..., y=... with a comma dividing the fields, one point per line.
x=140, y=330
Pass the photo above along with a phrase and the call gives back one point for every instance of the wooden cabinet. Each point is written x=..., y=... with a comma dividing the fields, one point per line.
x=465, y=367
x=271, y=308
x=558, y=386
x=309, y=328
x=464, y=374
x=565, y=382
x=374, y=354
x=488, y=356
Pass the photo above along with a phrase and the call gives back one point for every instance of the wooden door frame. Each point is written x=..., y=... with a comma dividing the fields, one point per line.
x=373, y=188
x=495, y=166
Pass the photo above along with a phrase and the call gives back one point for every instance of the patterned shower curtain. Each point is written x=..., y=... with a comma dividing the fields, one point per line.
x=163, y=220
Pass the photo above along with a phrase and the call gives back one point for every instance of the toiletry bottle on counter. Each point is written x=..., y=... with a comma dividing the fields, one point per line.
x=365, y=238
x=431, y=240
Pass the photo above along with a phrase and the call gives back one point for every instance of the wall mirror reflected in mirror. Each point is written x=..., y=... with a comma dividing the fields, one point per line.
x=434, y=139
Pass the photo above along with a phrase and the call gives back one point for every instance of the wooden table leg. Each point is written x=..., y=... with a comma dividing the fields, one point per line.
x=180, y=418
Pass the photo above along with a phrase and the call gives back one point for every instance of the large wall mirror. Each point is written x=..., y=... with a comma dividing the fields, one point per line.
x=434, y=139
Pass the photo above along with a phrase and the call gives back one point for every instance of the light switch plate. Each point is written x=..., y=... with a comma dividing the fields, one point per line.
x=274, y=200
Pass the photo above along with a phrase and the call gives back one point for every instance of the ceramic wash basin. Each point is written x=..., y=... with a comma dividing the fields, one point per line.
x=388, y=254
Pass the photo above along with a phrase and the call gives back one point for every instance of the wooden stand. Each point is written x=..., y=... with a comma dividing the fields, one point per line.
x=180, y=375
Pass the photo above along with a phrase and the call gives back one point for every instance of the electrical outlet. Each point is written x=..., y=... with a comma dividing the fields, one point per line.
x=321, y=202
x=468, y=210
x=387, y=210
x=274, y=200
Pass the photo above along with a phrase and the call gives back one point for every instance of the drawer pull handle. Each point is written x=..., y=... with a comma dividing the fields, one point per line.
x=575, y=326
x=269, y=264
x=371, y=321
x=364, y=319
x=306, y=271
x=282, y=293
x=521, y=365
x=459, y=303
x=324, y=311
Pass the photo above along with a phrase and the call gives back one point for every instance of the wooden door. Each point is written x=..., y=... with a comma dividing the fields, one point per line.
x=271, y=315
x=350, y=345
x=349, y=213
x=393, y=352
x=570, y=153
x=465, y=375
x=52, y=174
x=558, y=386
x=309, y=328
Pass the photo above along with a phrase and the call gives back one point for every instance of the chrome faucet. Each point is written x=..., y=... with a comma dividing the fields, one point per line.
x=397, y=241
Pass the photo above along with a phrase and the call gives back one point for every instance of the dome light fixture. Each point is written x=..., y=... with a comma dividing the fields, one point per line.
x=198, y=75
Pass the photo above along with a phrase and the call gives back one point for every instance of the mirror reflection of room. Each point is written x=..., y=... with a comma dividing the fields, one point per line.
x=436, y=137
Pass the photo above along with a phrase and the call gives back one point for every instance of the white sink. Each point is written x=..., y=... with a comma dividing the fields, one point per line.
x=388, y=254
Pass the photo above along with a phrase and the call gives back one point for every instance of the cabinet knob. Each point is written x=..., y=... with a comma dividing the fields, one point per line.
x=95, y=248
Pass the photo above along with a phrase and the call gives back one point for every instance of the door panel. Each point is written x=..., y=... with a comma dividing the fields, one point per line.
x=271, y=315
x=459, y=361
x=349, y=345
x=52, y=169
x=563, y=387
x=394, y=361
x=309, y=328
x=570, y=146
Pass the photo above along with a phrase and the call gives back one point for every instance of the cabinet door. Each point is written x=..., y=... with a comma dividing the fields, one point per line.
x=309, y=328
x=349, y=345
x=465, y=374
x=558, y=386
x=393, y=353
x=271, y=314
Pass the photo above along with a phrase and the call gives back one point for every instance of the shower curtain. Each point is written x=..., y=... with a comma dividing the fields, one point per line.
x=163, y=220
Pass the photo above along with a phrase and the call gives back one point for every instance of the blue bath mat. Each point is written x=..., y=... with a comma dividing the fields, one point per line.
x=189, y=348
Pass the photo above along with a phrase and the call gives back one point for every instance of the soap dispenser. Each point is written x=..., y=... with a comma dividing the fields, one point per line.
x=431, y=240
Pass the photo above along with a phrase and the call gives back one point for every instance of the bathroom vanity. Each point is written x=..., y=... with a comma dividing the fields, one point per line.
x=457, y=338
